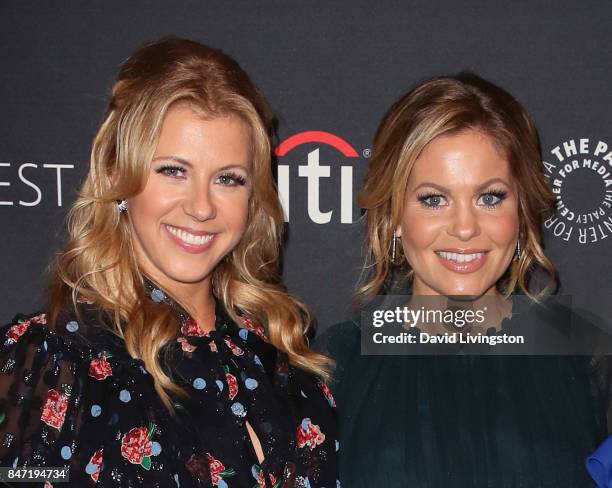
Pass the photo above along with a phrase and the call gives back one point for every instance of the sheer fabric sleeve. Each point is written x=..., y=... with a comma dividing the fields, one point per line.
x=62, y=404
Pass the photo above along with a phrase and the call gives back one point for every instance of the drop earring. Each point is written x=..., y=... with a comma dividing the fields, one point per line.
x=394, y=246
x=517, y=254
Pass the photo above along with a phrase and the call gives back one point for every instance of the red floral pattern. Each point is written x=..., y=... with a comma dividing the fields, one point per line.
x=255, y=328
x=97, y=460
x=309, y=434
x=232, y=385
x=235, y=349
x=328, y=394
x=191, y=328
x=100, y=368
x=135, y=445
x=217, y=470
x=54, y=409
x=16, y=331
x=185, y=346
x=261, y=479
x=272, y=480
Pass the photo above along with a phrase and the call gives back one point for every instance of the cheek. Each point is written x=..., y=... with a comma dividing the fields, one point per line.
x=153, y=202
x=235, y=210
x=503, y=230
x=419, y=231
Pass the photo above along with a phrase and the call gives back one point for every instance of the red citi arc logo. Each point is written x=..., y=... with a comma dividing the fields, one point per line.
x=313, y=171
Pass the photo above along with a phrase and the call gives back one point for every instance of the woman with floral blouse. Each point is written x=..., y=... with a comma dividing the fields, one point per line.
x=169, y=353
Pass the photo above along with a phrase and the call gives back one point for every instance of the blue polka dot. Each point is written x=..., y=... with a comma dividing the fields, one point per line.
x=238, y=409
x=176, y=480
x=303, y=394
x=157, y=295
x=125, y=396
x=219, y=385
x=305, y=424
x=221, y=484
x=91, y=468
x=96, y=410
x=155, y=448
x=257, y=361
x=66, y=452
x=243, y=333
x=250, y=383
x=45, y=345
x=199, y=383
x=337, y=445
x=72, y=326
x=144, y=371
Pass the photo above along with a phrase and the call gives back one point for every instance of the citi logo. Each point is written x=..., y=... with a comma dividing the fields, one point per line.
x=313, y=171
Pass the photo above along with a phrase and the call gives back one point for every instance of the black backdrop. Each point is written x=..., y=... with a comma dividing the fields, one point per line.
x=325, y=66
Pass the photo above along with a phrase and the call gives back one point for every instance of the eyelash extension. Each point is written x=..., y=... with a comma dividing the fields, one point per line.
x=423, y=197
x=170, y=167
x=239, y=179
x=501, y=194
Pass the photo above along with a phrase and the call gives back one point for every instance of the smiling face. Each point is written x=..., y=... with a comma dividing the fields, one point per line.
x=460, y=222
x=194, y=207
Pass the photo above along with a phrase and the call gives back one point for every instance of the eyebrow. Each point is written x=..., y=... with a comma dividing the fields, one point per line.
x=480, y=187
x=176, y=159
x=179, y=160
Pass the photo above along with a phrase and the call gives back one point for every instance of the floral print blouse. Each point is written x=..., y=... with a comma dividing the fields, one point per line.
x=74, y=397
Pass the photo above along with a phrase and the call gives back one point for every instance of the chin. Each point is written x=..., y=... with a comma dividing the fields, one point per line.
x=187, y=274
x=469, y=291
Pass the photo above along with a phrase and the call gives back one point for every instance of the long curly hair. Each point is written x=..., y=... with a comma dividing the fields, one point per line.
x=447, y=105
x=98, y=263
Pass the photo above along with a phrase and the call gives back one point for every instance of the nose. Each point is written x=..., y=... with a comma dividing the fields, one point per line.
x=464, y=223
x=200, y=204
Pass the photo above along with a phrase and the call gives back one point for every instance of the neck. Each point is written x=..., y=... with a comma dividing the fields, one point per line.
x=493, y=307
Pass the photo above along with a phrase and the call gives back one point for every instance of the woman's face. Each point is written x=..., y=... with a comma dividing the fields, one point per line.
x=460, y=223
x=194, y=207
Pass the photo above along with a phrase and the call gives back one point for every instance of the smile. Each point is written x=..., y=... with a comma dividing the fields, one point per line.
x=460, y=258
x=189, y=241
x=464, y=261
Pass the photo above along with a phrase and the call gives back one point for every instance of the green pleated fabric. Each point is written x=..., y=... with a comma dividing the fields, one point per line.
x=462, y=421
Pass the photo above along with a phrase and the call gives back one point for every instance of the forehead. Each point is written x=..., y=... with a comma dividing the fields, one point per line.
x=465, y=158
x=194, y=135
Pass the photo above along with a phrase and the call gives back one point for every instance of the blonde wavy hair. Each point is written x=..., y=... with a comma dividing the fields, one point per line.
x=446, y=105
x=98, y=263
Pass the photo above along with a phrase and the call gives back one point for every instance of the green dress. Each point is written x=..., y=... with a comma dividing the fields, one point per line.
x=462, y=421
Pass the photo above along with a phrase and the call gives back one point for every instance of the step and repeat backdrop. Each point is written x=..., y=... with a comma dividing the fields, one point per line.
x=330, y=70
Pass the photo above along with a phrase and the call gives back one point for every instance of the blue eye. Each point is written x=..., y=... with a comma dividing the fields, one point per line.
x=431, y=200
x=173, y=171
x=231, y=179
x=492, y=198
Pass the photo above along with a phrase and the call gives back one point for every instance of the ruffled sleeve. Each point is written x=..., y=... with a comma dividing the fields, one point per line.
x=63, y=403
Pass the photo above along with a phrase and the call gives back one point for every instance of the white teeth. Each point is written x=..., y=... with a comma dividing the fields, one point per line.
x=189, y=238
x=459, y=258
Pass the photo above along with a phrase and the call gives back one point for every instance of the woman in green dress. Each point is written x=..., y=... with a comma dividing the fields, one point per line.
x=454, y=199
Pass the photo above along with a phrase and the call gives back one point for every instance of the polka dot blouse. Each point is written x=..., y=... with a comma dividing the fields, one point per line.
x=74, y=397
